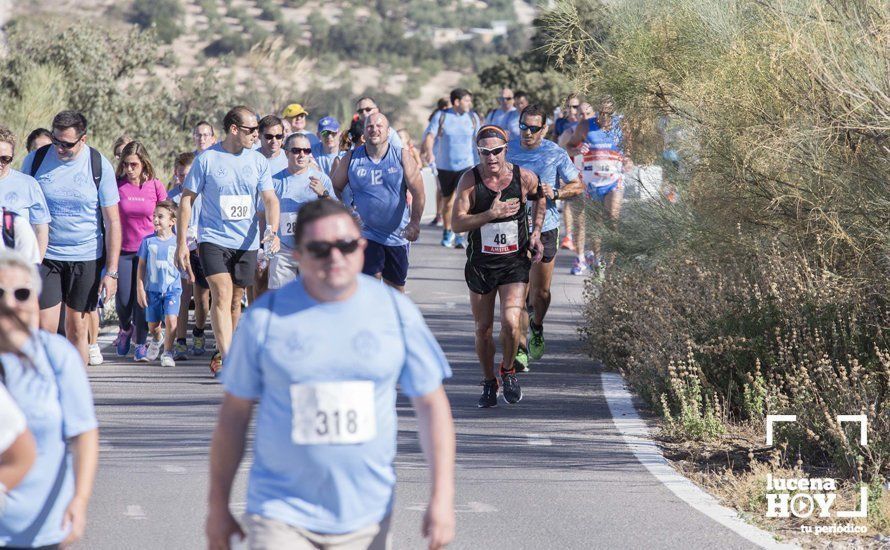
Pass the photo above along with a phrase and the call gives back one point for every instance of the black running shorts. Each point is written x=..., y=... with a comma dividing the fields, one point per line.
x=76, y=284
x=448, y=181
x=482, y=280
x=239, y=264
x=550, y=240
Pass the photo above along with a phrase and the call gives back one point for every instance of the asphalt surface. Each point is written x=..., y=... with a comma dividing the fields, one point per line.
x=549, y=472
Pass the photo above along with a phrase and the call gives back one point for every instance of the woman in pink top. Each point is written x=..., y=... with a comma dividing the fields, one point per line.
x=139, y=192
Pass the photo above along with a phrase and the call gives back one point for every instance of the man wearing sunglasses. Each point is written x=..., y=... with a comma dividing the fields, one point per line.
x=501, y=115
x=322, y=474
x=81, y=202
x=295, y=120
x=367, y=106
x=21, y=194
x=560, y=179
x=491, y=201
x=329, y=149
x=297, y=185
x=231, y=178
x=448, y=143
x=271, y=142
x=379, y=174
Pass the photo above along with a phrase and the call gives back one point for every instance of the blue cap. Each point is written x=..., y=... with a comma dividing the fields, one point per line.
x=328, y=124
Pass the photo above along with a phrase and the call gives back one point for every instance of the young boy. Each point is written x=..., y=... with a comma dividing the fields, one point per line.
x=158, y=282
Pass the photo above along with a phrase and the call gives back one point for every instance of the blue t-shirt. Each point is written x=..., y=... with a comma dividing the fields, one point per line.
x=20, y=193
x=455, y=147
x=161, y=273
x=616, y=136
x=379, y=192
x=512, y=125
x=293, y=192
x=552, y=165
x=499, y=117
x=277, y=164
x=324, y=160
x=231, y=187
x=74, y=204
x=54, y=394
x=328, y=488
x=175, y=194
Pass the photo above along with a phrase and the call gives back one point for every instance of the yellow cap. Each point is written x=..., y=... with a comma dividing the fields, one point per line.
x=294, y=109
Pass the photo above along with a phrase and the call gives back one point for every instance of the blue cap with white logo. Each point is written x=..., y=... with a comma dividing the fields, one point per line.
x=328, y=124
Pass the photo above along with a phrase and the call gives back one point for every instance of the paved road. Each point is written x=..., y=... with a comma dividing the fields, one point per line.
x=550, y=472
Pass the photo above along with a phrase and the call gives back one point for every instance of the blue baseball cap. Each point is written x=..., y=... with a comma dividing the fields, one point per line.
x=328, y=124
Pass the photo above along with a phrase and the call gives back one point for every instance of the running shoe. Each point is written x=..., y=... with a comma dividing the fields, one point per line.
x=520, y=362
x=512, y=392
x=154, y=347
x=141, y=353
x=567, y=243
x=215, y=364
x=96, y=355
x=122, y=342
x=579, y=267
x=167, y=359
x=198, y=344
x=448, y=238
x=536, y=342
x=180, y=350
x=436, y=221
x=489, y=394
x=460, y=242
x=590, y=259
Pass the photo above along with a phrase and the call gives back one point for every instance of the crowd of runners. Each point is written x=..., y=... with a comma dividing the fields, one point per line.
x=291, y=228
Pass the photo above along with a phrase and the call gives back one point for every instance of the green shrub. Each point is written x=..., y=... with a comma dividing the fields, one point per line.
x=164, y=16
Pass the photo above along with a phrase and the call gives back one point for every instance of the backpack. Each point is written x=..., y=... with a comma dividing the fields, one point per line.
x=441, y=131
x=95, y=163
x=8, y=229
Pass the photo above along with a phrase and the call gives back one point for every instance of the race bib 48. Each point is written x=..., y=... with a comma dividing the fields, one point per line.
x=500, y=238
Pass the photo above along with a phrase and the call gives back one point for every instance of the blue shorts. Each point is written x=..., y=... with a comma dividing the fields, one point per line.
x=601, y=192
x=390, y=261
x=162, y=304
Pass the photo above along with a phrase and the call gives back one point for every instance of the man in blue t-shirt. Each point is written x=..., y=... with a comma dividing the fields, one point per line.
x=380, y=175
x=85, y=234
x=20, y=193
x=560, y=179
x=449, y=144
x=501, y=116
x=328, y=147
x=231, y=178
x=326, y=424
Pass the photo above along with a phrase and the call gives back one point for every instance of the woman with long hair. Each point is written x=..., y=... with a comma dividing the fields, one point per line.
x=45, y=376
x=140, y=191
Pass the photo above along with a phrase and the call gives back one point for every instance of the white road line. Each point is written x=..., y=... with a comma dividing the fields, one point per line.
x=134, y=511
x=636, y=437
x=470, y=507
x=169, y=468
x=538, y=439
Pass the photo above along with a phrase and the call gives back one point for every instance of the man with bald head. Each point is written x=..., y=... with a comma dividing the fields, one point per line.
x=379, y=176
x=367, y=106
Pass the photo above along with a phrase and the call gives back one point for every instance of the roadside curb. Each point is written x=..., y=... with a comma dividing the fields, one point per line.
x=636, y=436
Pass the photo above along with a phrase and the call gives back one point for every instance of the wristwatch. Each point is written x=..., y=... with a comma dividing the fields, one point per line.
x=326, y=194
x=556, y=194
x=112, y=274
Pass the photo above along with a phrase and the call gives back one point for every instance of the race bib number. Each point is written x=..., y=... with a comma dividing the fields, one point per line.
x=600, y=168
x=333, y=413
x=288, y=223
x=236, y=207
x=500, y=238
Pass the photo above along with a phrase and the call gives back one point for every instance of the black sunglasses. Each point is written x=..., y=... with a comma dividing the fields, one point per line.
x=65, y=144
x=493, y=151
x=328, y=133
x=506, y=98
x=5, y=160
x=365, y=110
x=270, y=137
x=322, y=249
x=249, y=129
x=576, y=106
x=298, y=150
x=533, y=129
x=20, y=294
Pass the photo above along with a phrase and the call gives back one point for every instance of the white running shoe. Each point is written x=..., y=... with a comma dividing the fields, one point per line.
x=154, y=348
x=167, y=359
x=96, y=355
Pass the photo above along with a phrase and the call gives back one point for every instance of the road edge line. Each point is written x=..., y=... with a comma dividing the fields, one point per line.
x=636, y=436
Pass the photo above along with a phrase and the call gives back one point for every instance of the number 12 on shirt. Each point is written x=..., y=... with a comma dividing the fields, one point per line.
x=333, y=413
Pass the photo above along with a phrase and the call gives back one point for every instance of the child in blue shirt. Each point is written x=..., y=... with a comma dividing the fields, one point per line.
x=158, y=283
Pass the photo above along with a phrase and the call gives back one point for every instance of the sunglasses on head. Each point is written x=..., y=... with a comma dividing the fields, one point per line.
x=65, y=144
x=5, y=160
x=323, y=249
x=493, y=151
x=20, y=294
x=249, y=129
x=298, y=150
x=533, y=129
x=270, y=137
x=365, y=110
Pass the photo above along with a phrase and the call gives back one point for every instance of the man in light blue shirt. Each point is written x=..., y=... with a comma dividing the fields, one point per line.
x=85, y=236
x=231, y=179
x=449, y=144
x=328, y=147
x=321, y=358
x=271, y=141
x=298, y=184
x=501, y=116
x=20, y=193
x=560, y=179
x=380, y=175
